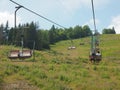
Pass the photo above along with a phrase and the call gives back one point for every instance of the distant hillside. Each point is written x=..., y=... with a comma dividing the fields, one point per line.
x=63, y=69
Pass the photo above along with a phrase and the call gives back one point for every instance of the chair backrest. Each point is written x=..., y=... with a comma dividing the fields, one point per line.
x=25, y=53
x=13, y=54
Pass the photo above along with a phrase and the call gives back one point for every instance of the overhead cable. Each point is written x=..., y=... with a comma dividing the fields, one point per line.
x=38, y=14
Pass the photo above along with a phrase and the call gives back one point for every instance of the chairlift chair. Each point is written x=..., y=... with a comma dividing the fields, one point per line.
x=95, y=56
x=72, y=46
x=21, y=54
x=25, y=54
x=13, y=54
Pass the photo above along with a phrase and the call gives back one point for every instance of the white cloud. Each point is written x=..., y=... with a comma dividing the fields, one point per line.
x=91, y=23
x=116, y=24
x=6, y=16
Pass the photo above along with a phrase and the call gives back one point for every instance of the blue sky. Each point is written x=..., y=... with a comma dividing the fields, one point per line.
x=67, y=13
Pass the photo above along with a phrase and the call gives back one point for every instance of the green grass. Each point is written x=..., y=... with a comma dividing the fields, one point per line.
x=63, y=69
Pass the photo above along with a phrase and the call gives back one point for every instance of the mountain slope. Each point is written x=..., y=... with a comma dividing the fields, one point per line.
x=63, y=69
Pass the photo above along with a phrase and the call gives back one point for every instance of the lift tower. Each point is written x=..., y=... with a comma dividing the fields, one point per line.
x=95, y=53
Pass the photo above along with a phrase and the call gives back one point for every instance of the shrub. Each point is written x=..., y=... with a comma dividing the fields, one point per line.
x=64, y=78
x=105, y=76
x=94, y=68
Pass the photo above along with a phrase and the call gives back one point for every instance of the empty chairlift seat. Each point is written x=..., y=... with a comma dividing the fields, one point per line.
x=25, y=53
x=13, y=54
x=72, y=47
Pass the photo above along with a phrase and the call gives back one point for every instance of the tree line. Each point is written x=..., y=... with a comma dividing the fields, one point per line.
x=30, y=33
x=109, y=31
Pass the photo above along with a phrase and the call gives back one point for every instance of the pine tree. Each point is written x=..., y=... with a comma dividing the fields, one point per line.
x=52, y=35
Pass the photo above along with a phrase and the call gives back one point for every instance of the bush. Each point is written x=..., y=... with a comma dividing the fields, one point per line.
x=105, y=76
x=64, y=78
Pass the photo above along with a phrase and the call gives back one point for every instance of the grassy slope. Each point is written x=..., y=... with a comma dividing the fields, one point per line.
x=63, y=69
